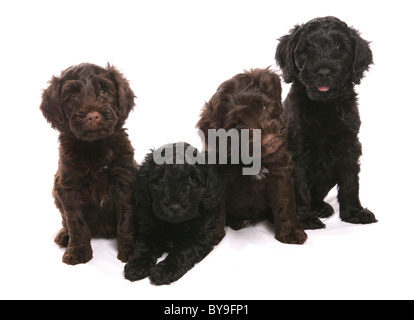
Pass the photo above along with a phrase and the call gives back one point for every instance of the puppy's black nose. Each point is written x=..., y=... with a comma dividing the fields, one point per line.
x=324, y=74
x=93, y=117
x=175, y=207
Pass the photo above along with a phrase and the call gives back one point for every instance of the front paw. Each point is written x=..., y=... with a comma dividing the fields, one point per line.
x=238, y=224
x=296, y=236
x=138, y=269
x=62, y=238
x=165, y=273
x=126, y=253
x=311, y=223
x=358, y=216
x=323, y=210
x=76, y=255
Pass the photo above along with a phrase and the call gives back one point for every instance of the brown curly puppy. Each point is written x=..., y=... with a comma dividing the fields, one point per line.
x=252, y=100
x=89, y=105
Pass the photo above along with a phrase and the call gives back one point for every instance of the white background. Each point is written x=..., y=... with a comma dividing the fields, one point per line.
x=175, y=54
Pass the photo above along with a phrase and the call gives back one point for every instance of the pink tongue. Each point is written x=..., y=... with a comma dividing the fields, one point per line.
x=324, y=88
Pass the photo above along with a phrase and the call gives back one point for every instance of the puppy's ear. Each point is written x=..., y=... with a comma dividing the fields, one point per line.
x=207, y=121
x=51, y=107
x=362, y=56
x=215, y=188
x=205, y=117
x=125, y=94
x=212, y=114
x=285, y=54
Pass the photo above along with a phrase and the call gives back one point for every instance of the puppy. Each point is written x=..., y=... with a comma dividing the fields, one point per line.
x=88, y=105
x=252, y=100
x=179, y=210
x=324, y=59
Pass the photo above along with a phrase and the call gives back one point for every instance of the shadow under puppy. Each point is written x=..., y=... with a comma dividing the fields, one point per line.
x=180, y=210
x=324, y=59
x=252, y=101
x=88, y=105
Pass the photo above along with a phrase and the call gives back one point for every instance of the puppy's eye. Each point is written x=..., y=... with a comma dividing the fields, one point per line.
x=193, y=181
x=161, y=179
x=338, y=48
x=70, y=97
x=103, y=91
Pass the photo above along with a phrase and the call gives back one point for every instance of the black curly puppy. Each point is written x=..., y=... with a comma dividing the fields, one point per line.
x=179, y=210
x=324, y=59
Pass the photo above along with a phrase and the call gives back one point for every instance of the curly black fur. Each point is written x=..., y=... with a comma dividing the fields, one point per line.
x=324, y=59
x=179, y=210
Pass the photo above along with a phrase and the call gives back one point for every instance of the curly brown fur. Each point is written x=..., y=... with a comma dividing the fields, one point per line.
x=180, y=211
x=88, y=105
x=252, y=100
x=323, y=59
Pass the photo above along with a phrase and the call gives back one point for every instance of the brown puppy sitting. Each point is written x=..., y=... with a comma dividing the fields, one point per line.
x=89, y=105
x=252, y=100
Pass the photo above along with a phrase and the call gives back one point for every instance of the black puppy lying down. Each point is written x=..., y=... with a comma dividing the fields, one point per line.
x=179, y=210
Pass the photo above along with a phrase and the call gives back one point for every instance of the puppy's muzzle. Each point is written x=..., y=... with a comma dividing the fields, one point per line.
x=93, y=119
x=324, y=77
x=175, y=208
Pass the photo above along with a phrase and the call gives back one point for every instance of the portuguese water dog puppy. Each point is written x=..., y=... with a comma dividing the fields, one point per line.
x=252, y=101
x=179, y=210
x=324, y=59
x=88, y=105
